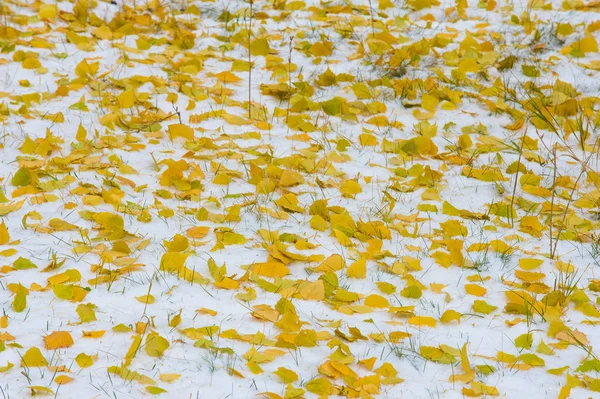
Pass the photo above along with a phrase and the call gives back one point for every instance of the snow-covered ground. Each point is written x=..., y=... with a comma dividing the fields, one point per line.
x=362, y=199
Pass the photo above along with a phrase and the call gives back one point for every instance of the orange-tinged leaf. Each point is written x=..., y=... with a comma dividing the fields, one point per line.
x=4, y=236
x=57, y=340
x=227, y=77
x=270, y=269
x=62, y=379
x=198, y=231
x=474, y=289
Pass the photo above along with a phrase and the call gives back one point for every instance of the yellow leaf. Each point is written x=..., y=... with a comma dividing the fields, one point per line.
x=564, y=266
x=482, y=307
x=60, y=225
x=180, y=130
x=376, y=301
x=422, y=321
x=4, y=369
x=586, y=45
x=69, y=292
x=350, y=188
x=179, y=243
x=227, y=77
x=147, y=299
x=33, y=358
x=312, y=290
x=357, y=269
x=8, y=252
x=436, y=355
x=529, y=277
x=565, y=392
x=488, y=174
x=47, y=12
x=93, y=334
x=379, y=121
x=287, y=376
x=530, y=263
x=20, y=301
x=531, y=225
x=333, y=263
x=228, y=284
x=361, y=91
x=385, y=287
x=260, y=47
x=236, y=120
x=37, y=389
x=121, y=328
x=480, y=388
x=126, y=99
x=169, y=377
x=4, y=236
x=516, y=125
x=133, y=349
x=155, y=345
x=81, y=133
x=289, y=203
x=429, y=102
x=290, y=178
x=450, y=315
x=173, y=262
x=226, y=236
x=532, y=360
x=319, y=386
x=367, y=140
x=31, y=63
x=318, y=223
x=154, y=390
x=63, y=379
x=321, y=49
